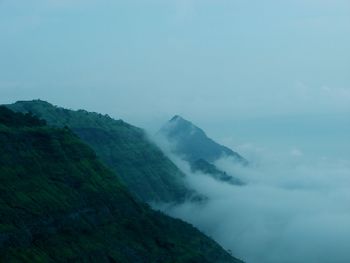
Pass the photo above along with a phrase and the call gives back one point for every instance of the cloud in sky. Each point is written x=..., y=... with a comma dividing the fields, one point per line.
x=291, y=210
x=215, y=62
x=224, y=58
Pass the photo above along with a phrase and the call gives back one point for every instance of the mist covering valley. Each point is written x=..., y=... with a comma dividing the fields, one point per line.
x=293, y=206
x=257, y=156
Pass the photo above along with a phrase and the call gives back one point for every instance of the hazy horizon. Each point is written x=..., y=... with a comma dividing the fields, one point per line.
x=144, y=61
x=269, y=79
x=228, y=66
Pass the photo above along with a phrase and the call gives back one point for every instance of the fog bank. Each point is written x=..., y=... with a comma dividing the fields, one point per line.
x=293, y=208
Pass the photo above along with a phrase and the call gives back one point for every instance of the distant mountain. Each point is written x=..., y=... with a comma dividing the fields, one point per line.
x=193, y=145
x=192, y=142
x=210, y=169
x=140, y=164
x=58, y=203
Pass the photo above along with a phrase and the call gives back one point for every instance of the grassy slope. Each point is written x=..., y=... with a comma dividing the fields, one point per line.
x=125, y=149
x=58, y=203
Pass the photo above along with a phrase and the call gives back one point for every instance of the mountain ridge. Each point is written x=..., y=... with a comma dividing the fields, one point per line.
x=178, y=128
x=193, y=145
x=59, y=203
x=147, y=172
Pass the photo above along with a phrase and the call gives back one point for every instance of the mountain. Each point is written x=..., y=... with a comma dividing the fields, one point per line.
x=59, y=203
x=210, y=169
x=125, y=149
x=193, y=145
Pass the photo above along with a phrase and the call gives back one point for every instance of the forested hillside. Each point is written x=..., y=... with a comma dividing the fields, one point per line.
x=140, y=164
x=58, y=203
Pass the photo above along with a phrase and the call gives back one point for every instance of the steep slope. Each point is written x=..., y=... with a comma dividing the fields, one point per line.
x=210, y=169
x=141, y=165
x=58, y=203
x=194, y=146
x=193, y=143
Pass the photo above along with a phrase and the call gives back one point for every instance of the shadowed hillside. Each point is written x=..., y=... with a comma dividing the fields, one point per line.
x=58, y=203
x=193, y=145
x=140, y=164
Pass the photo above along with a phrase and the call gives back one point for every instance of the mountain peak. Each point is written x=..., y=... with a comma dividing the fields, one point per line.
x=178, y=125
x=179, y=118
x=193, y=143
x=176, y=117
x=182, y=121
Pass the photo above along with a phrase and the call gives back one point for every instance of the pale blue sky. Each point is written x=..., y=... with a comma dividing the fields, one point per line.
x=145, y=61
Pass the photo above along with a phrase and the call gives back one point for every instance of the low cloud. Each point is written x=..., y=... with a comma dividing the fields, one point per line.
x=292, y=209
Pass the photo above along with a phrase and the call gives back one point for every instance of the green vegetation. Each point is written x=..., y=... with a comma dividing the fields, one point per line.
x=58, y=203
x=11, y=119
x=140, y=164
